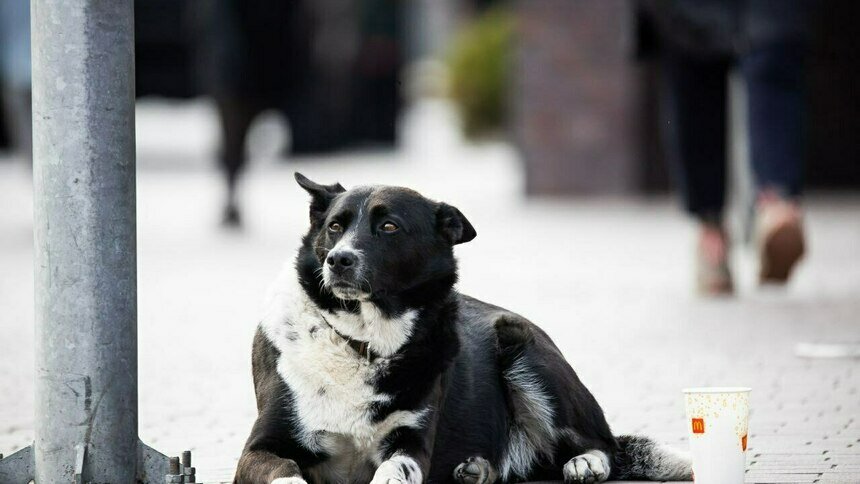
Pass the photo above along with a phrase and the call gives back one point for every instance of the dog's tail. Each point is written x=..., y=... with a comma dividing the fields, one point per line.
x=641, y=458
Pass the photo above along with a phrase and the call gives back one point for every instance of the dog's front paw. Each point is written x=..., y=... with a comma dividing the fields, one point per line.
x=288, y=480
x=399, y=469
x=475, y=470
x=587, y=468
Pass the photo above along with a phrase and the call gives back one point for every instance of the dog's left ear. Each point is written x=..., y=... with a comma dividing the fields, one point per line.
x=321, y=195
x=452, y=224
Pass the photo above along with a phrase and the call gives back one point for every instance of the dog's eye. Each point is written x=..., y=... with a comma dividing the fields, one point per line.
x=389, y=227
x=335, y=227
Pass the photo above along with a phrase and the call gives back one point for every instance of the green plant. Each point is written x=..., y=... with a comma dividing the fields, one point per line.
x=479, y=67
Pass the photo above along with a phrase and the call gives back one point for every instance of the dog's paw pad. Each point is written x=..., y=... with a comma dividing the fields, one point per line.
x=586, y=469
x=475, y=470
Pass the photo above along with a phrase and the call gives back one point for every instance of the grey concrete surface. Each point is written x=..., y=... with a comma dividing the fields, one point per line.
x=609, y=279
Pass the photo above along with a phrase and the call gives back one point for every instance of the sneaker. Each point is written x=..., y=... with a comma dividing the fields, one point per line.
x=713, y=277
x=779, y=236
x=232, y=217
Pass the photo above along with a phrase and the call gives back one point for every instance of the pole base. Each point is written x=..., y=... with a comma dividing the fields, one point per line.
x=18, y=467
x=153, y=467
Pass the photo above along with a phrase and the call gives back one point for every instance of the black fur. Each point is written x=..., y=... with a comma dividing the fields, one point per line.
x=456, y=363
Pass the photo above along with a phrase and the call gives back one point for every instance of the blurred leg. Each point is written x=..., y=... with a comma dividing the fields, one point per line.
x=236, y=116
x=695, y=94
x=774, y=78
x=19, y=119
x=695, y=127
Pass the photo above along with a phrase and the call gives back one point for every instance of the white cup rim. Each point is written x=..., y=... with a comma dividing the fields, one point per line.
x=717, y=390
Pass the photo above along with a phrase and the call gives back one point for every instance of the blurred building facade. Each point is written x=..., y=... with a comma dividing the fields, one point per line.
x=583, y=111
x=331, y=66
x=575, y=97
x=586, y=113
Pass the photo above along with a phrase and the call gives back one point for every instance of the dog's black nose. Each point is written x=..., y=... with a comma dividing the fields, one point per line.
x=340, y=261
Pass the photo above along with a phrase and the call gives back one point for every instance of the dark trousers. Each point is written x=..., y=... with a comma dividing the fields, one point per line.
x=696, y=125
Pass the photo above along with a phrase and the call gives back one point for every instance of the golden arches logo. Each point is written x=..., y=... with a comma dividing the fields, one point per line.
x=698, y=425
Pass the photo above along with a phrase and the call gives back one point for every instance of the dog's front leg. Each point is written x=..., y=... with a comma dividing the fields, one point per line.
x=399, y=469
x=404, y=456
x=262, y=467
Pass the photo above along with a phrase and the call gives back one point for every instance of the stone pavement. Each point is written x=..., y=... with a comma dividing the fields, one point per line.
x=629, y=324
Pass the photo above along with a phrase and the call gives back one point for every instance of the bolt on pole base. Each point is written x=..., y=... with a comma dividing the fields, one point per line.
x=153, y=467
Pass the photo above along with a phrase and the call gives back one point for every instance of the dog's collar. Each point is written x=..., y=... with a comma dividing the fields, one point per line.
x=360, y=347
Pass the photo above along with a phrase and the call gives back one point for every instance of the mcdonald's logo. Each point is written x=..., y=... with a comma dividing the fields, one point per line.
x=698, y=425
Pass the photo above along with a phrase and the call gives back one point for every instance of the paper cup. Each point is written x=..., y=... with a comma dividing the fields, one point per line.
x=718, y=420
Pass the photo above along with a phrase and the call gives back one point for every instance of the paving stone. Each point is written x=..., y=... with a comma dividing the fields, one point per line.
x=781, y=478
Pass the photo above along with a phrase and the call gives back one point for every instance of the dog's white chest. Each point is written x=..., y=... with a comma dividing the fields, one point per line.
x=332, y=387
x=331, y=384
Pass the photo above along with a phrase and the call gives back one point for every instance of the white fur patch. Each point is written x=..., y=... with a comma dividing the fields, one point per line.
x=592, y=466
x=532, y=432
x=288, y=480
x=345, y=243
x=384, y=335
x=669, y=463
x=331, y=384
x=399, y=469
x=673, y=463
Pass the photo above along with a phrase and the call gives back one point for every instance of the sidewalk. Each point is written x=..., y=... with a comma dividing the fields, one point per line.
x=631, y=326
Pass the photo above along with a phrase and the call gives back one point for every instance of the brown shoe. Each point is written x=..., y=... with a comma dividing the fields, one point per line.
x=713, y=277
x=779, y=233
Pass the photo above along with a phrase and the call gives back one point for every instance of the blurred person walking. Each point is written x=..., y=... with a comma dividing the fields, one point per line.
x=253, y=56
x=330, y=66
x=15, y=73
x=699, y=41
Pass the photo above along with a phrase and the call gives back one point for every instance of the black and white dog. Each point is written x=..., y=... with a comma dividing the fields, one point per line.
x=370, y=367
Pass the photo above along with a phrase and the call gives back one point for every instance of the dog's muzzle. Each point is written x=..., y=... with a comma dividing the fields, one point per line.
x=341, y=262
x=341, y=273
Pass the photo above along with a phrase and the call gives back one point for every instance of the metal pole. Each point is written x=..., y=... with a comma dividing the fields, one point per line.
x=84, y=211
x=85, y=241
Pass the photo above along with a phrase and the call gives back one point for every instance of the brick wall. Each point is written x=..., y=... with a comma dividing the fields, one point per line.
x=576, y=107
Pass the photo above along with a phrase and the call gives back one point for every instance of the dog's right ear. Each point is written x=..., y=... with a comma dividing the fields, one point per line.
x=321, y=195
x=453, y=224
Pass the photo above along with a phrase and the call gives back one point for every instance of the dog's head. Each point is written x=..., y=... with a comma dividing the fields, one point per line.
x=377, y=242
